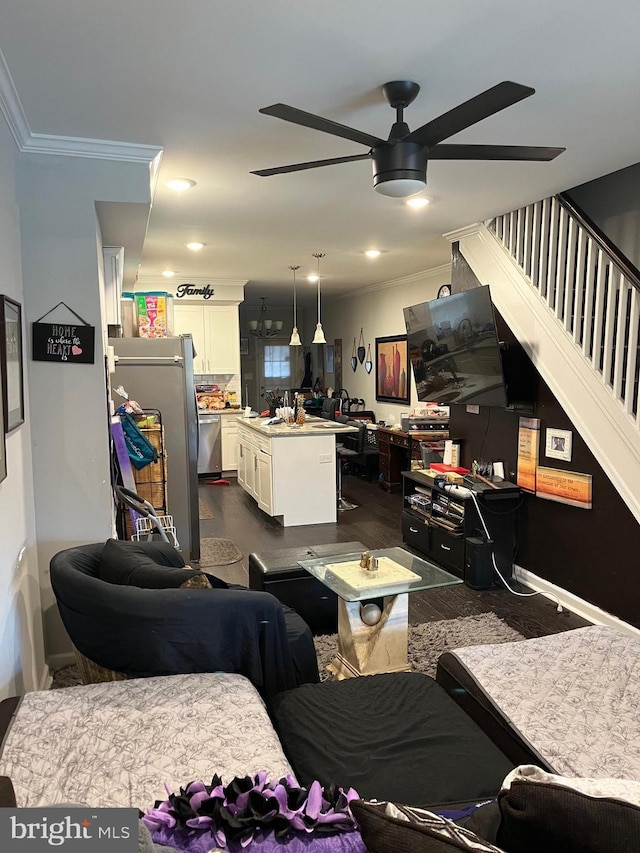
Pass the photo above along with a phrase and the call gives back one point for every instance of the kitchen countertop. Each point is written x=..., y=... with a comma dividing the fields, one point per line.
x=312, y=426
x=226, y=412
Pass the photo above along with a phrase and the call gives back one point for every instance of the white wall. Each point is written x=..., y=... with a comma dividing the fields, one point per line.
x=22, y=665
x=61, y=257
x=378, y=311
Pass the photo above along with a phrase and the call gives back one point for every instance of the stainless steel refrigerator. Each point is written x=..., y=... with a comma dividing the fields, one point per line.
x=158, y=374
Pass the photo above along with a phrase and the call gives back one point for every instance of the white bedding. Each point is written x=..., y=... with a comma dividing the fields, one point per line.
x=117, y=743
x=574, y=696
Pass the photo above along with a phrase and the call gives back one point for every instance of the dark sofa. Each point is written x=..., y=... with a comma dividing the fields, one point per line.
x=146, y=632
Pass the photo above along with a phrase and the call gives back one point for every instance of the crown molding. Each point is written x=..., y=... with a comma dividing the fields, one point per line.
x=98, y=149
x=11, y=107
x=423, y=275
x=70, y=146
x=199, y=280
x=461, y=233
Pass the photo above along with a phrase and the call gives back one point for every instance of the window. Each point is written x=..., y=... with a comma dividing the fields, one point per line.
x=277, y=366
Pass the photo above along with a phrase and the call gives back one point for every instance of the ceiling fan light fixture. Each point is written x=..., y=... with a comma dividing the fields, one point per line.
x=195, y=246
x=373, y=253
x=398, y=187
x=399, y=170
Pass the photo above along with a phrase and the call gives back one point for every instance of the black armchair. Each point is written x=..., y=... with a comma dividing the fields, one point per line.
x=146, y=632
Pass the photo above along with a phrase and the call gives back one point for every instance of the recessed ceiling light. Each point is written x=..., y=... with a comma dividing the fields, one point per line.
x=195, y=247
x=372, y=253
x=417, y=202
x=168, y=273
x=180, y=184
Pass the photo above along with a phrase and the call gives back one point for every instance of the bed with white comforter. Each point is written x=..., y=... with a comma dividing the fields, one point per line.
x=573, y=697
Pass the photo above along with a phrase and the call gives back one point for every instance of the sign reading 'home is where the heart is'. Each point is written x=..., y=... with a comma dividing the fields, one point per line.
x=64, y=342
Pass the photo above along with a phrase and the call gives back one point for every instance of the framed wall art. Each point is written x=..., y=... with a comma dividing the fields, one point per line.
x=558, y=444
x=12, y=363
x=393, y=383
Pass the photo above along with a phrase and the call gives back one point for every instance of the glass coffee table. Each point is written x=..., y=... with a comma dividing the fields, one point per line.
x=373, y=606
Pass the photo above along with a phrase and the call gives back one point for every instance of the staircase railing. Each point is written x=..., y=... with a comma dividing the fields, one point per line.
x=590, y=287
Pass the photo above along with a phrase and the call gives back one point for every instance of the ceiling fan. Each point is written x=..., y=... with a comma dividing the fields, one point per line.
x=400, y=162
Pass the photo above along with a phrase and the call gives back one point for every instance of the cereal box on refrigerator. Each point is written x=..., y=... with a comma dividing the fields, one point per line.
x=152, y=310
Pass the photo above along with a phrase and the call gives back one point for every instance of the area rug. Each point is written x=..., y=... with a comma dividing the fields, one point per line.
x=218, y=552
x=426, y=643
x=203, y=510
x=429, y=640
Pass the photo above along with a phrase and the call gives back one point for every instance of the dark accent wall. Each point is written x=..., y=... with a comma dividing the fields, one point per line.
x=613, y=203
x=591, y=553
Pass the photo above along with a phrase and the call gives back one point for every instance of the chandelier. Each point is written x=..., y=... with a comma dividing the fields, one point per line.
x=264, y=327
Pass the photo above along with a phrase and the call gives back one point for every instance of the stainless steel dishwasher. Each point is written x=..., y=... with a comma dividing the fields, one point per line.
x=209, y=443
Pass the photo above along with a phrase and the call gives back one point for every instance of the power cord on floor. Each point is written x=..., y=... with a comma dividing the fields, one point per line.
x=559, y=607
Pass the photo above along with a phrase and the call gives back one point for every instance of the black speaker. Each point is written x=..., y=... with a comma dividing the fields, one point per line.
x=478, y=565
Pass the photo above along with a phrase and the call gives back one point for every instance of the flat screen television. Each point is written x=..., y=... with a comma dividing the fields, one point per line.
x=454, y=349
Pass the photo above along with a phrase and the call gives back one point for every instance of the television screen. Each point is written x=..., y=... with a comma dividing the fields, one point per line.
x=454, y=349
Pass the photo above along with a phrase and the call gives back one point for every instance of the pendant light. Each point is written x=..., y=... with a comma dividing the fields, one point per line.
x=319, y=337
x=295, y=337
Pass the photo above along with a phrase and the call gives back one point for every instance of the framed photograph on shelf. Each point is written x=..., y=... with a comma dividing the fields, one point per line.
x=244, y=346
x=393, y=383
x=558, y=444
x=11, y=363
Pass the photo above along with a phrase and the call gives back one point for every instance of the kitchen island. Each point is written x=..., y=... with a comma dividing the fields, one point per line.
x=290, y=470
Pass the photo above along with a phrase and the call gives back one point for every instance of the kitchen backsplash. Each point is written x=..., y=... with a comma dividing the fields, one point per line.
x=221, y=389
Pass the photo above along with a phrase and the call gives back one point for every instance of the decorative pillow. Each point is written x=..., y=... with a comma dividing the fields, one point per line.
x=544, y=812
x=126, y=563
x=390, y=828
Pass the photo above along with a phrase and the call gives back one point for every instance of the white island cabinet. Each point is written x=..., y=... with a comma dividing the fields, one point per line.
x=216, y=336
x=290, y=471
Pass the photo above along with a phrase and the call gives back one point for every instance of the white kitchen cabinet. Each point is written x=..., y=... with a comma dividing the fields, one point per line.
x=189, y=320
x=263, y=485
x=229, y=443
x=216, y=336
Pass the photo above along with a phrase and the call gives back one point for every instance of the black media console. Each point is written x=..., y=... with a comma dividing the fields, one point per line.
x=446, y=527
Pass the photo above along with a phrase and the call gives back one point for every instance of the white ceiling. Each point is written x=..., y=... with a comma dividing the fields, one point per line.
x=190, y=76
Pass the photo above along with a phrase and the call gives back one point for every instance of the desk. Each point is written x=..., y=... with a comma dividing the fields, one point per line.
x=366, y=649
x=396, y=450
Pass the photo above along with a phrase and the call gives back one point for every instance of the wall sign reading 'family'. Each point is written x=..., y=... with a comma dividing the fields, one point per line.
x=63, y=342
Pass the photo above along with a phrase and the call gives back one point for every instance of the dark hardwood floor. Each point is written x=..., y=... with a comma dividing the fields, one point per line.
x=376, y=523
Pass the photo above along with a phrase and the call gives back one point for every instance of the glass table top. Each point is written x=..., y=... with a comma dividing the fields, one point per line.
x=398, y=572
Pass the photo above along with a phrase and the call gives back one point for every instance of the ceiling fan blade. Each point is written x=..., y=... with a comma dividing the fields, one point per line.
x=483, y=105
x=298, y=167
x=315, y=122
x=493, y=152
